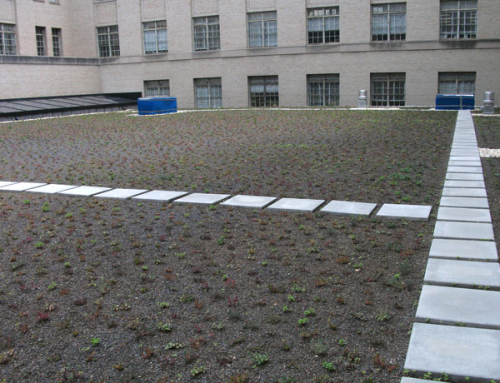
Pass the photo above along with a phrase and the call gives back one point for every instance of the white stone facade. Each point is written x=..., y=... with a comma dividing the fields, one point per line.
x=421, y=56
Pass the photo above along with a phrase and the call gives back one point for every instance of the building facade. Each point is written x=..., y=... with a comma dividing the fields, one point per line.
x=252, y=53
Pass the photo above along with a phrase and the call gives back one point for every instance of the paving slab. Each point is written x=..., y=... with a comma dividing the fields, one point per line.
x=349, y=208
x=85, y=191
x=462, y=273
x=465, y=169
x=249, y=201
x=414, y=380
x=463, y=214
x=296, y=204
x=410, y=212
x=51, y=188
x=464, y=230
x=479, y=203
x=21, y=186
x=463, y=249
x=121, y=193
x=464, y=152
x=455, y=305
x=463, y=158
x=5, y=183
x=464, y=192
x=458, y=351
x=464, y=184
x=464, y=163
x=160, y=195
x=203, y=198
x=464, y=177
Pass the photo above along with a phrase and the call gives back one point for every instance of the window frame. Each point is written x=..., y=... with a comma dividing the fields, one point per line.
x=157, y=41
x=3, y=41
x=267, y=97
x=57, y=42
x=159, y=85
x=41, y=41
x=389, y=97
x=388, y=22
x=112, y=50
x=457, y=78
x=326, y=81
x=266, y=29
x=210, y=37
x=214, y=92
x=452, y=15
x=323, y=16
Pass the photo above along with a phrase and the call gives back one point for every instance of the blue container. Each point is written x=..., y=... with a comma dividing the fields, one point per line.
x=156, y=105
x=455, y=101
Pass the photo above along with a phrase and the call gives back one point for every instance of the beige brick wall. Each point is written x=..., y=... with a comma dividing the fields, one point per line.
x=21, y=81
x=421, y=57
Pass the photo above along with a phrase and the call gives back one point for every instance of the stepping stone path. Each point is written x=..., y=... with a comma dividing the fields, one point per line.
x=85, y=191
x=461, y=333
x=160, y=195
x=51, y=189
x=121, y=193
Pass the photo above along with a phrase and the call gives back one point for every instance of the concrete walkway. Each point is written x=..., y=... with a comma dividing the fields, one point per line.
x=458, y=316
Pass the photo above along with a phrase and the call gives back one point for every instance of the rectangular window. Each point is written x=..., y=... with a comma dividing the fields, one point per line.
x=323, y=25
x=457, y=83
x=264, y=91
x=157, y=88
x=208, y=92
x=389, y=22
x=56, y=42
x=263, y=29
x=40, y=41
x=206, y=33
x=459, y=19
x=7, y=39
x=155, y=37
x=323, y=90
x=388, y=89
x=108, y=41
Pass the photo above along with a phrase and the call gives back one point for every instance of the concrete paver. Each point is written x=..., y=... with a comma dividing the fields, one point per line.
x=464, y=192
x=454, y=305
x=464, y=230
x=249, y=201
x=21, y=186
x=458, y=351
x=296, y=204
x=121, y=193
x=463, y=214
x=51, y=188
x=410, y=212
x=85, y=191
x=464, y=249
x=462, y=273
x=160, y=195
x=479, y=203
x=203, y=198
x=349, y=208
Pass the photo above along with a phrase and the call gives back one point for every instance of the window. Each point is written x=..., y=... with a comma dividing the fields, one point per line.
x=323, y=90
x=459, y=19
x=323, y=25
x=206, y=33
x=388, y=89
x=389, y=22
x=208, y=92
x=54, y=1
x=108, y=41
x=56, y=42
x=264, y=91
x=157, y=88
x=7, y=39
x=263, y=29
x=40, y=41
x=457, y=83
x=155, y=37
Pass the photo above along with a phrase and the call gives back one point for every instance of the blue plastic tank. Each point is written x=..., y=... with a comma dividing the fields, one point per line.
x=455, y=101
x=156, y=105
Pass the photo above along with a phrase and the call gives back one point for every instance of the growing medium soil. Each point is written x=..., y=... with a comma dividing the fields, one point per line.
x=119, y=291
